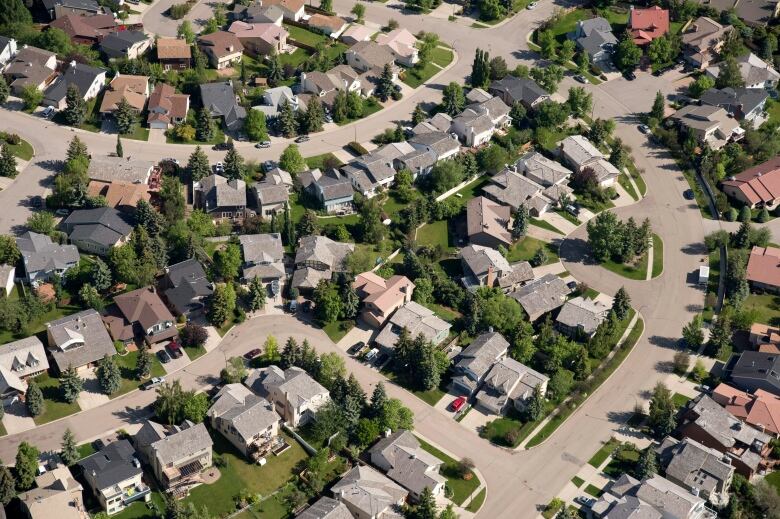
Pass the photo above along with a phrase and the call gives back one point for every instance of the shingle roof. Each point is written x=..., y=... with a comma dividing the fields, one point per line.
x=372, y=53
x=104, y=225
x=183, y=443
x=542, y=295
x=219, y=192
x=694, y=465
x=410, y=465
x=78, y=74
x=262, y=248
x=121, y=41
x=220, y=44
x=368, y=491
x=585, y=314
x=326, y=508
x=764, y=266
x=294, y=383
x=187, y=285
x=480, y=259
x=24, y=357
x=482, y=353
x=415, y=318
x=518, y=90
x=246, y=412
x=79, y=339
x=323, y=250
x=173, y=48
x=511, y=188
x=111, y=465
x=542, y=170
x=143, y=305
x=441, y=143
x=40, y=253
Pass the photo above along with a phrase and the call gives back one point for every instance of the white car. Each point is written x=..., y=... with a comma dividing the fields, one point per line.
x=531, y=6
x=219, y=167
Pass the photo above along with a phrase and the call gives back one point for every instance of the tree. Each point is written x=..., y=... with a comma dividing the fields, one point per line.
x=185, y=32
x=331, y=368
x=327, y=301
x=601, y=130
x=227, y=261
x=662, y=411
x=7, y=162
x=143, y=364
x=480, y=69
x=359, y=10
x=729, y=74
x=26, y=466
x=498, y=68
x=119, y=151
x=580, y=101
x=204, y=126
x=198, y=164
x=453, y=99
x=701, y=85
x=41, y=222
x=271, y=349
x=234, y=371
x=257, y=294
x=255, y=125
x=315, y=116
x=223, y=303
x=7, y=485
x=548, y=77
x=108, y=375
x=535, y=407
x=540, y=257
x=288, y=125
x=659, y=106
x=193, y=335
x=125, y=117
x=378, y=401
x=167, y=405
x=386, y=87
x=195, y=407
x=418, y=115
x=234, y=164
x=520, y=223
x=308, y=226
x=621, y=304
x=33, y=397
x=566, y=51
x=4, y=91
x=14, y=12
x=681, y=362
x=604, y=235
x=720, y=336
x=627, y=54
x=448, y=513
x=647, y=466
x=31, y=96
x=326, y=5
x=548, y=45
x=371, y=227
x=70, y=384
x=172, y=198
x=69, y=452
x=355, y=105
x=292, y=161
x=693, y=334
x=290, y=354
x=662, y=51
x=582, y=60
x=426, y=508
x=75, y=107
x=9, y=252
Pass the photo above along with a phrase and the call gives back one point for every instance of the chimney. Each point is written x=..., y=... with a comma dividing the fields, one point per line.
x=491, y=276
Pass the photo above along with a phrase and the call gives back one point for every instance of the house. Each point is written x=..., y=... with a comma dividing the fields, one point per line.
x=754, y=370
x=400, y=456
x=366, y=55
x=580, y=317
x=274, y=99
x=133, y=89
x=756, y=72
x=7, y=276
x=332, y=26
x=186, y=288
x=758, y=186
x=260, y=39
x=317, y=258
x=332, y=189
x=166, y=107
x=370, y=494
x=220, y=101
x=381, y=297
x=115, y=476
x=248, y=421
x=760, y=409
x=698, y=469
x=326, y=508
x=522, y=90
x=295, y=395
x=86, y=30
x=580, y=153
x=763, y=269
x=441, y=123
x=219, y=197
x=122, y=196
x=8, y=49
x=419, y=161
x=594, y=37
x=97, y=231
x=271, y=198
x=355, y=33
x=30, y=66
x=485, y=266
x=442, y=144
x=259, y=13
x=403, y=45
x=292, y=9
x=123, y=169
x=88, y=80
x=747, y=448
x=542, y=295
x=58, y=8
x=370, y=173
x=125, y=44
x=764, y=337
x=56, y=494
x=223, y=49
x=341, y=77
x=177, y=455
x=174, y=53
x=476, y=360
x=709, y=124
x=19, y=361
x=487, y=223
x=510, y=383
x=416, y=319
x=78, y=341
x=512, y=189
x=263, y=255
x=473, y=127
x=42, y=258
x=140, y=314
x=703, y=40
x=743, y=104
x=542, y=170
x=645, y=25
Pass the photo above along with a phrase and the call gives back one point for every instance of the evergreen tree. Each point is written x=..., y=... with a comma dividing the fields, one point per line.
x=659, y=105
x=7, y=162
x=234, y=165
x=662, y=411
x=34, y=399
x=275, y=69
x=520, y=224
x=7, y=485
x=204, y=126
x=355, y=106
x=75, y=108
x=386, y=86
x=720, y=335
x=71, y=384
x=108, y=375
x=453, y=99
x=77, y=149
x=69, y=452
x=222, y=304
x=287, y=123
x=289, y=227
x=418, y=115
x=647, y=466
x=4, y=91
x=291, y=354
x=426, y=508
x=101, y=275
x=26, y=466
x=729, y=74
x=535, y=406
x=742, y=237
x=340, y=108
x=314, y=116
x=480, y=69
x=621, y=305
x=378, y=401
x=143, y=364
x=198, y=165
x=256, y=297
x=125, y=117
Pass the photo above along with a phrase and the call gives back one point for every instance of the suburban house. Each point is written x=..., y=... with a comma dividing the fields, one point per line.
x=513, y=90
x=140, y=314
x=475, y=361
x=174, y=53
x=756, y=72
x=220, y=198
x=326, y=508
x=645, y=25
x=115, y=477
x=417, y=320
x=86, y=30
x=484, y=266
x=166, y=107
x=56, y=494
x=20, y=360
x=703, y=40
x=754, y=370
x=248, y=421
x=97, y=231
x=697, y=468
x=355, y=33
x=580, y=153
x=8, y=49
x=30, y=66
x=403, y=45
x=442, y=144
x=259, y=13
x=400, y=456
x=122, y=196
x=381, y=297
x=295, y=395
x=760, y=409
x=367, y=55
x=317, y=258
x=514, y=190
x=747, y=448
x=710, y=125
x=758, y=186
x=186, y=288
x=78, y=341
x=222, y=48
x=123, y=169
x=370, y=173
x=477, y=123
x=42, y=258
x=580, y=317
x=326, y=85
x=510, y=383
x=542, y=295
x=133, y=89
x=57, y=8
x=7, y=276
x=487, y=223
x=370, y=494
x=744, y=104
x=271, y=198
x=274, y=99
x=125, y=44
x=542, y=170
x=89, y=81
x=177, y=455
x=763, y=269
x=764, y=337
x=220, y=101
x=756, y=14
x=332, y=26
x=260, y=39
x=441, y=123
x=594, y=37
x=419, y=161
x=292, y=9
x=263, y=255
x=332, y=189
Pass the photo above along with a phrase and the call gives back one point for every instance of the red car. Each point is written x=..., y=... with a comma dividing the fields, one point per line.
x=458, y=403
x=251, y=354
x=174, y=349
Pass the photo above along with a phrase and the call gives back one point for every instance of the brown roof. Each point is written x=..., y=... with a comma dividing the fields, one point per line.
x=291, y=5
x=173, y=48
x=94, y=27
x=143, y=306
x=385, y=294
x=119, y=194
x=334, y=23
x=761, y=409
x=133, y=88
x=165, y=104
x=764, y=266
x=485, y=216
x=221, y=43
x=760, y=183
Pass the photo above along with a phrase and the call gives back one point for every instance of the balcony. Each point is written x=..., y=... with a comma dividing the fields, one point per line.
x=135, y=493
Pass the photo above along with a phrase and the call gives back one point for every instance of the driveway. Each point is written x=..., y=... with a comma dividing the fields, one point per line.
x=174, y=364
x=17, y=419
x=91, y=396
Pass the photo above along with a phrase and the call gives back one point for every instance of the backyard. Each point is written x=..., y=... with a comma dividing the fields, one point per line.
x=765, y=308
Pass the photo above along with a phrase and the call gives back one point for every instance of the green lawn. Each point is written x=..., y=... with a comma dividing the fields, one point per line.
x=441, y=57
x=712, y=285
x=623, y=461
x=774, y=480
x=568, y=216
x=126, y=365
x=193, y=352
x=497, y=431
x=476, y=503
x=414, y=77
x=472, y=190
x=86, y=449
x=446, y=313
x=603, y=453
x=658, y=256
x=680, y=400
x=544, y=224
x=593, y=490
x=23, y=150
x=461, y=488
x=318, y=161
x=526, y=248
x=637, y=270
x=626, y=184
x=217, y=138
x=139, y=133
x=765, y=307
x=270, y=508
x=38, y=325
x=338, y=329
x=433, y=234
x=577, y=481
x=56, y=407
x=617, y=18
x=370, y=106
x=140, y=510
x=430, y=397
x=305, y=36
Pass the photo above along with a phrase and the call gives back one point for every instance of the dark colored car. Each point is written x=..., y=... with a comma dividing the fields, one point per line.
x=163, y=356
x=571, y=285
x=302, y=138
x=37, y=201
x=688, y=194
x=251, y=354
x=355, y=348
x=224, y=146
x=629, y=75
x=174, y=350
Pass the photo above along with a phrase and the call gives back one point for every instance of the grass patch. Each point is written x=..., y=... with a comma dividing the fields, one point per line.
x=507, y=431
x=217, y=138
x=765, y=307
x=430, y=396
x=318, y=161
x=140, y=510
x=86, y=449
x=658, y=256
x=433, y=234
x=338, y=329
x=127, y=364
x=680, y=400
x=712, y=286
x=56, y=406
x=461, y=488
x=637, y=270
x=139, y=133
x=441, y=57
x=472, y=189
x=603, y=453
x=625, y=183
x=552, y=508
x=623, y=461
x=698, y=193
x=526, y=248
x=594, y=490
x=38, y=325
x=544, y=224
x=774, y=478
x=23, y=150
x=415, y=76
x=569, y=217
x=476, y=503
x=445, y=312
x=577, y=481
x=306, y=36
x=193, y=352
x=370, y=106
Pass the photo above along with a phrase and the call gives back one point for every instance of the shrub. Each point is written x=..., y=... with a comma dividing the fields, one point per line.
x=179, y=11
x=357, y=148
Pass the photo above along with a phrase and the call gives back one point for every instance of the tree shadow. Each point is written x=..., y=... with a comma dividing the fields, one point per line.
x=664, y=366
x=694, y=249
x=576, y=250
x=663, y=342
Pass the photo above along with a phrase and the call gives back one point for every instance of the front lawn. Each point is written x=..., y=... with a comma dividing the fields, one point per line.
x=56, y=406
x=507, y=431
x=476, y=503
x=636, y=270
x=461, y=488
x=338, y=329
x=139, y=133
x=127, y=365
x=319, y=161
x=680, y=400
x=416, y=76
x=217, y=138
x=23, y=150
x=544, y=224
x=774, y=480
x=370, y=106
x=658, y=256
x=603, y=453
x=525, y=249
x=441, y=57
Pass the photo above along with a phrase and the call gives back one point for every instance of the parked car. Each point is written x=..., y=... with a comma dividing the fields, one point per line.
x=585, y=501
x=251, y=354
x=629, y=75
x=174, y=349
x=62, y=212
x=48, y=112
x=275, y=287
x=688, y=194
x=371, y=354
x=572, y=210
x=268, y=165
x=37, y=201
x=581, y=78
x=356, y=348
x=458, y=404
x=531, y=6
x=292, y=306
x=263, y=144
x=644, y=128
x=222, y=146
x=163, y=356
x=149, y=384
x=170, y=159
x=302, y=138
x=571, y=285
x=219, y=167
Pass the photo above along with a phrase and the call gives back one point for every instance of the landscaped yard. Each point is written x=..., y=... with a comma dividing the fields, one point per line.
x=774, y=480
x=476, y=503
x=765, y=307
x=623, y=461
x=626, y=184
x=139, y=133
x=507, y=431
x=680, y=400
x=441, y=57
x=603, y=453
x=636, y=270
x=217, y=138
x=544, y=224
x=338, y=329
x=305, y=36
x=38, y=325
x=433, y=234
x=415, y=76
x=461, y=488
x=658, y=256
x=23, y=150
x=319, y=161
x=127, y=365
x=56, y=407
x=370, y=106
x=526, y=248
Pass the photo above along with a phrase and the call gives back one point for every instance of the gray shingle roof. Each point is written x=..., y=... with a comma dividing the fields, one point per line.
x=295, y=383
x=217, y=192
x=415, y=318
x=79, y=339
x=542, y=295
x=439, y=142
x=482, y=353
x=104, y=225
x=187, y=284
x=368, y=491
x=220, y=100
x=322, y=249
x=511, y=188
x=410, y=465
x=248, y=413
x=24, y=357
x=121, y=41
x=39, y=253
x=585, y=314
x=113, y=464
x=518, y=89
x=182, y=443
x=479, y=259
x=758, y=367
x=326, y=508
x=78, y=74
x=694, y=464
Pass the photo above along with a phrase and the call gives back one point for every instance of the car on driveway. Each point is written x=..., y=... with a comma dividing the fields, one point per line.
x=581, y=78
x=302, y=138
x=149, y=384
x=355, y=348
x=251, y=354
x=688, y=194
x=644, y=128
x=163, y=356
x=458, y=404
x=531, y=6
x=264, y=144
x=268, y=165
x=62, y=212
x=571, y=285
x=48, y=112
x=37, y=201
x=587, y=502
x=174, y=350
x=629, y=75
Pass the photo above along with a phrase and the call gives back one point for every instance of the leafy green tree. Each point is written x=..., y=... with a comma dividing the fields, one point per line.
x=198, y=164
x=7, y=485
x=701, y=85
x=548, y=44
x=255, y=125
x=491, y=10
x=663, y=50
x=729, y=74
x=340, y=109
x=308, y=226
x=371, y=227
x=108, y=375
x=26, y=466
x=331, y=368
x=604, y=235
x=4, y=91
x=31, y=96
x=125, y=117
x=185, y=32
x=223, y=303
x=453, y=99
x=172, y=199
x=9, y=252
x=662, y=411
x=14, y=12
x=195, y=407
x=204, y=126
x=566, y=51
x=359, y=10
x=168, y=404
x=582, y=60
x=601, y=131
x=548, y=77
x=627, y=54
x=75, y=108
x=290, y=353
x=33, y=397
x=119, y=150
x=327, y=301
x=326, y=5
x=580, y=101
x=426, y=508
x=480, y=69
x=227, y=261
x=41, y=222
x=7, y=162
x=69, y=451
x=292, y=161
x=235, y=370
x=535, y=407
x=257, y=295
x=70, y=384
x=355, y=105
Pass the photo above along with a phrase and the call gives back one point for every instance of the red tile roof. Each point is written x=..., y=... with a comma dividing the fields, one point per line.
x=760, y=183
x=646, y=25
x=761, y=409
x=764, y=266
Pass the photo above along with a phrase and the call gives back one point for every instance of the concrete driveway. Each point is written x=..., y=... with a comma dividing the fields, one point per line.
x=91, y=396
x=361, y=332
x=175, y=364
x=476, y=419
x=17, y=419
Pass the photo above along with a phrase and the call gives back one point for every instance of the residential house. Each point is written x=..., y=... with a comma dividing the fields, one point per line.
x=513, y=90
x=219, y=197
x=645, y=25
x=580, y=153
x=442, y=144
x=381, y=297
x=369, y=494
x=419, y=161
x=403, y=45
x=30, y=66
x=417, y=320
x=760, y=409
x=332, y=189
x=56, y=494
x=487, y=223
x=758, y=186
x=318, y=258
x=474, y=362
x=370, y=173
x=332, y=26
x=763, y=269
x=220, y=101
x=174, y=53
x=186, y=288
x=86, y=30
x=478, y=122
x=19, y=361
x=140, y=314
x=340, y=77
x=271, y=198
x=8, y=49
x=42, y=258
x=483, y=266
x=400, y=456
x=223, y=49
x=263, y=255
x=292, y=9
x=97, y=231
x=754, y=370
x=259, y=13
x=7, y=276
x=124, y=169
x=580, y=317
x=326, y=508
x=122, y=196
x=248, y=421
x=115, y=476
x=125, y=44
x=441, y=123
x=367, y=55
x=594, y=37
x=177, y=455
x=355, y=33
x=166, y=107
x=88, y=80
x=743, y=104
x=510, y=383
x=78, y=341
x=58, y=8
x=512, y=189
x=542, y=295
x=698, y=469
x=260, y=39
x=710, y=125
x=542, y=170
x=274, y=99
x=295, y=395
x=764, y=337
x=747, y=448
x=703, y=40
x=756, y=72
x=133, y=89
